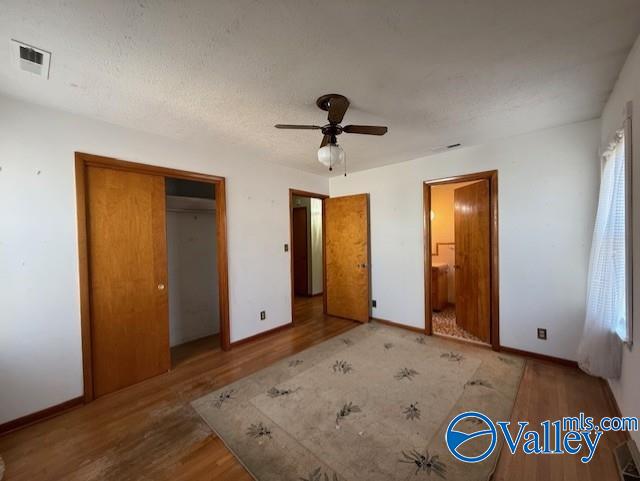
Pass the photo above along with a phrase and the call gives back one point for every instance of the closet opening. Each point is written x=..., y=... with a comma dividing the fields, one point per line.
x=194, y=310
x=150, y=240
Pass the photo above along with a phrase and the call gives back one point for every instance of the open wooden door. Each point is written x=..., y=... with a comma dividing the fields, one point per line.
x=472, y=257
x=128, y=266
x=346, y=251
x=300, y=246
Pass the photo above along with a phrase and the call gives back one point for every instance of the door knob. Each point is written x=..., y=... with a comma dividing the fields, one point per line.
x=161, y=287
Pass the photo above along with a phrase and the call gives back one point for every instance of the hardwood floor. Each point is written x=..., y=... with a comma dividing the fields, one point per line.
x=551, y=391
x=189, y=351
x=150, y=432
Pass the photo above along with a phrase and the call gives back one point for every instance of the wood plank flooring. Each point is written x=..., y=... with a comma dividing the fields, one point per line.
x=188, y=351
x=149, y=431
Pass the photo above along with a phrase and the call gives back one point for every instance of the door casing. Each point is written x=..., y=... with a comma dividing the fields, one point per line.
x=82, y=162
x=492, y=177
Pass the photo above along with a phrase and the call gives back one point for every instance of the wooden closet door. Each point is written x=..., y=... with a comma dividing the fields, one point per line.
x=128, y=277
x=346, y=251
x=472, y=274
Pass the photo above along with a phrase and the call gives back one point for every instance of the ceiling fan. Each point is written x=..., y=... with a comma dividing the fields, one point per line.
x=330, y=153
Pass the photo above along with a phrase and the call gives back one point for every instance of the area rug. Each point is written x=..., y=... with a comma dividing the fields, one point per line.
x=373, y=404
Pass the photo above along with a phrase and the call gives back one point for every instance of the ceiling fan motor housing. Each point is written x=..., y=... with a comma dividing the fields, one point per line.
x=324, y=101
x=332, y=130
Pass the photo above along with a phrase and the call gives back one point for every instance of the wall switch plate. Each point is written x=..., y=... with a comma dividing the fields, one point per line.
x=542, y=334
x=374, y=303
x=263, y=315
x=286, y=247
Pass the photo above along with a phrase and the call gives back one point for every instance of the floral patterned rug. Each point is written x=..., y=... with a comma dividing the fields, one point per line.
x=373, y=404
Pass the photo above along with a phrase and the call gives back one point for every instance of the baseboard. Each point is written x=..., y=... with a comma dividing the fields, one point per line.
x=395, y=324
x=39, y=416
x=541, y=357
x=613, y=403
x=611, y=399
x=262, y=334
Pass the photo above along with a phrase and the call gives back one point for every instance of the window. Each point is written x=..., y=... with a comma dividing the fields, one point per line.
x=609, y=291
x=611, y=251
x=613, y=260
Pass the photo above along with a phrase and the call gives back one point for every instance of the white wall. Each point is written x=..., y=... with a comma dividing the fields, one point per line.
x=40, y=351
x=548, y=185
x=627, y=388
x=192, y=265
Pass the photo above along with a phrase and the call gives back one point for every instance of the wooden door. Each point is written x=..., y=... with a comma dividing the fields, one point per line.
x=300, y=248
x=346, y=251
x=128, y=277
x=472, y=256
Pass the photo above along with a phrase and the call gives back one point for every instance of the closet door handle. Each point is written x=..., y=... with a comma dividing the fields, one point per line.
x=161, y=287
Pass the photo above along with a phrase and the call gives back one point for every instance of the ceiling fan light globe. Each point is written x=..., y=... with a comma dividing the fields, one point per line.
x=331, y=155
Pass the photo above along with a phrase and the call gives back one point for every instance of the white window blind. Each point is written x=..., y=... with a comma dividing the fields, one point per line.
x=607, y=314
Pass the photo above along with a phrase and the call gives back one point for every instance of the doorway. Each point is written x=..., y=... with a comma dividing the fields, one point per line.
x=307, y=253
x=127, y=289
x=461, y=258
x=330, y=251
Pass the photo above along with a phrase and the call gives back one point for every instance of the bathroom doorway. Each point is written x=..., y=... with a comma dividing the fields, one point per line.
x=461, y=258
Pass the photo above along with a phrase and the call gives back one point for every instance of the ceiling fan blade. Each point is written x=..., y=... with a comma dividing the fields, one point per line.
x=302, y=127
x=325, y=140
x=337, y=108
x=364, y=129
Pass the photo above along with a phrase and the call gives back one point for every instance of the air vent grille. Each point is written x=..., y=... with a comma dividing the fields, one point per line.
x=31, y=55
x=628, y=460
x=31, y=59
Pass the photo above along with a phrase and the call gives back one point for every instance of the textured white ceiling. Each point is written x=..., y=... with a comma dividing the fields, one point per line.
x=223, y=72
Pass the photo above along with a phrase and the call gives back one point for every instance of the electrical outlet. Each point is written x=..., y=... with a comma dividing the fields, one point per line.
x=542, y=333
x=263, y=315
x=374, y=303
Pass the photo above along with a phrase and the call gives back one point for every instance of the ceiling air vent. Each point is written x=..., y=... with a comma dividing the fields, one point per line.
x=31, y=59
